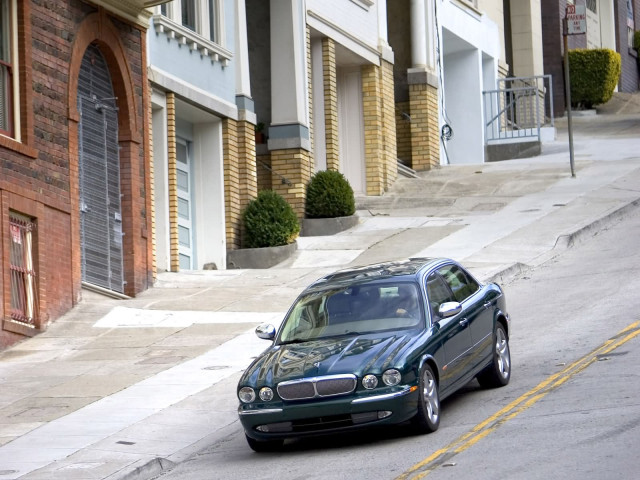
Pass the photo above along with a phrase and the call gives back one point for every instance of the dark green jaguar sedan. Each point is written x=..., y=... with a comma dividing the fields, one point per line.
x=375, y=345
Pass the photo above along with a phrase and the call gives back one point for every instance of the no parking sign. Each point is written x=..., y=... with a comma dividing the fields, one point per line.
x=576, y=19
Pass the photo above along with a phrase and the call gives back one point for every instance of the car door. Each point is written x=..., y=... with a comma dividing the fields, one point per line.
x=476, y=308
x=454, y=331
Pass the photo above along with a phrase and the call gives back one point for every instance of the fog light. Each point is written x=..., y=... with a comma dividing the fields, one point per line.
x=281, y=427
x=384, y=414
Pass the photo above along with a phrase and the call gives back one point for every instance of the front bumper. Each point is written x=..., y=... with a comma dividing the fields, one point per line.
x=325, y=416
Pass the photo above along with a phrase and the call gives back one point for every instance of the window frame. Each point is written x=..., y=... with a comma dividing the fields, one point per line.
x=207, y=21
x=8, y=22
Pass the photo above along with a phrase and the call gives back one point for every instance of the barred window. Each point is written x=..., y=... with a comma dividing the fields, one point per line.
x=24, y=291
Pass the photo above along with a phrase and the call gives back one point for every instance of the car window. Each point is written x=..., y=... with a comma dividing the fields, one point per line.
x=438, y=293
x=360, y=308
x=461, y=284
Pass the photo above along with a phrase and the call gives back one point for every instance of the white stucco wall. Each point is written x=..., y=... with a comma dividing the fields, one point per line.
x=471, y=51
x=352, y=23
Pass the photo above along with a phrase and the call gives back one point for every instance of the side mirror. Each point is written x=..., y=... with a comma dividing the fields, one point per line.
x=266, y=331
x=449, y=309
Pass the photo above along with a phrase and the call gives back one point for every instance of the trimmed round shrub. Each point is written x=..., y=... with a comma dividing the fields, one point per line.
x=329, y=195
x=269, y=221
x=594, y=75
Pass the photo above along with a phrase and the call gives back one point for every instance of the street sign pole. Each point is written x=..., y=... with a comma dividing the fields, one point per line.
x=574, y=23
x=567, y=87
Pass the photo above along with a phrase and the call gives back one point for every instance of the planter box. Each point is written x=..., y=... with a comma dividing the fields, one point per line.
x=265, y=257
x=316, y=227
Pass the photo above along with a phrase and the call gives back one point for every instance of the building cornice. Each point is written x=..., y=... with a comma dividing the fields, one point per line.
x=184, y=36
x=367, y=51
x=136, y=11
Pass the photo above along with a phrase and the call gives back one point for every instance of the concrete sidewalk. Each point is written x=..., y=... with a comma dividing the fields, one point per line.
x=121, y=389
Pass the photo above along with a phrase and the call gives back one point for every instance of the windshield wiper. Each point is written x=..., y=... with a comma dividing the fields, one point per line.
x=294, y=340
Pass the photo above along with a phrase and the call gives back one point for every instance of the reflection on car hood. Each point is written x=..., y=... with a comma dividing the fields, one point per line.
x=355, y=354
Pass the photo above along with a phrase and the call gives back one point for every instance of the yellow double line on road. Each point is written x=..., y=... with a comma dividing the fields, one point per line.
x=515, y=408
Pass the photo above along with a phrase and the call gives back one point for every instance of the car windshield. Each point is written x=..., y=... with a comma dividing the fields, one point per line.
x=353, y=310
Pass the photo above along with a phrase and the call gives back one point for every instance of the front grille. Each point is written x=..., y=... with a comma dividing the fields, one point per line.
x=307, y=388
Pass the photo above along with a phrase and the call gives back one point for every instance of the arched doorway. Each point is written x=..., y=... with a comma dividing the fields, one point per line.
x=99, y=175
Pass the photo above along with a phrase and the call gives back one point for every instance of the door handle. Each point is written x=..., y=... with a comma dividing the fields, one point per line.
x=464, y=322
x=487, y=304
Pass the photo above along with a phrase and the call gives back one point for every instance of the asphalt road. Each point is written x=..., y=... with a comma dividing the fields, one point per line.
x=571, y=411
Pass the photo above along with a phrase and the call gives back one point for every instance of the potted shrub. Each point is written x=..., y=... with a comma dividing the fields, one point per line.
x=260, y=135
x=329, y=204
x=270, y=230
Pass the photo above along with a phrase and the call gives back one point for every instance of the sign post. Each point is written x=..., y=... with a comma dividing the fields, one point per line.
x=575, y=23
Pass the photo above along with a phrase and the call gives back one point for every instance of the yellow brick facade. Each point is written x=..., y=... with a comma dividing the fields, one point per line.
x=247, y=162
x=425, y=146
x=174, y=259
x=232, y=185
x=390, y=149
x=263, y=167
x=403, y=132
x=330, y=85
x=294, y=165
x=379, y=127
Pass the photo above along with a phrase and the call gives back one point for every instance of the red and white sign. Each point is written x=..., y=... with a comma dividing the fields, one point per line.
x=16, y=237
x=576, y=19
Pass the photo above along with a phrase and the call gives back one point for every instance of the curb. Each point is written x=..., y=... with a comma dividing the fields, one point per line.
x=149, y=470
x=575, y=237
x=563, y=242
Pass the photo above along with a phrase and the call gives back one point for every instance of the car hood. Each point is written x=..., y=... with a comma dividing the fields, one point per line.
x=359, y=355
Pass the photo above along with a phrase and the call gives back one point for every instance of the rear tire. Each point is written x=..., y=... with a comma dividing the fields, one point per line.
x=427, y=419
x=499, y=372
x=264, y=445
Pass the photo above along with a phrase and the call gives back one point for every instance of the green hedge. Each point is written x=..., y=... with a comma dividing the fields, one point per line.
x=636, y=40
x=269, y=221
x=329, y=195
x=594, y=75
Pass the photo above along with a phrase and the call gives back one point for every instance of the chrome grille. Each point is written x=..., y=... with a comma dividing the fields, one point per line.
x=306, y=388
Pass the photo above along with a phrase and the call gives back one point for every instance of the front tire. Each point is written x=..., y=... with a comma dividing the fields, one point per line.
x=499, y=372
x=264, y=445
x=427, y=419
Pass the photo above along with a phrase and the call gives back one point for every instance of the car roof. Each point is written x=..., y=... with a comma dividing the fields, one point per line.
x=408, y=269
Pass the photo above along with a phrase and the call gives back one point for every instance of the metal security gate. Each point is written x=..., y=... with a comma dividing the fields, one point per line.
x=99, y=174
x=24, y=288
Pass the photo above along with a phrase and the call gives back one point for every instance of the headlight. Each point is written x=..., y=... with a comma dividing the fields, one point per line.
x=266, y=394
x=391, y=377
x=370, y=381
x=246, y=395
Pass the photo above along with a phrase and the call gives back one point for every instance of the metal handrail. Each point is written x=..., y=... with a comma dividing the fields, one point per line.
x=513, y=112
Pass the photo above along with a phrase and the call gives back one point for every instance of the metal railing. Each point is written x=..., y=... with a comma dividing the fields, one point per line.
x=518, y=108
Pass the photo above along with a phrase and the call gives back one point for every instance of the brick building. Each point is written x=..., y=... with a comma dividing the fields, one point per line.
x=73, y=157
x=610, y=24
